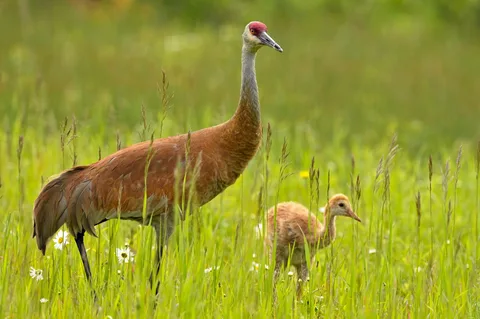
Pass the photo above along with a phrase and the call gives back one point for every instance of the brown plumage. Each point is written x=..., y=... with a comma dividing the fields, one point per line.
x=85, y=196
x=297, y=228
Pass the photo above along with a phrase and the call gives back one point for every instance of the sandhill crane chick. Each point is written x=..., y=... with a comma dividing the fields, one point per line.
x=297, y=227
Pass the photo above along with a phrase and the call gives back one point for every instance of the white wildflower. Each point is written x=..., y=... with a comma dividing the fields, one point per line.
x=290, y=273
x=448, y=241
x=61, y=240
x=372, y=251
x=417, y=269
x=258, y=230
x=254, y=256
x=210, y=269
x=254, y=266
x=125, y=255
x=36, y=274
x=43, y=300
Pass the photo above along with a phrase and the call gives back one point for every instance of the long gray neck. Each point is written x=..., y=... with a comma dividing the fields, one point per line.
x=249, y=105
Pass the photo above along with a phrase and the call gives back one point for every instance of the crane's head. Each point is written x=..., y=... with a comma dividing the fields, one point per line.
x=339, y=205
x=255, y=36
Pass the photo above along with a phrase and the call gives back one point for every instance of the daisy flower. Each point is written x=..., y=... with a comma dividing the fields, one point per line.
x=125, y=255
x=210, y=269
x=36, y=274
x=61, y=240
x=417, y=269
x=43, y=300
x=254, y=266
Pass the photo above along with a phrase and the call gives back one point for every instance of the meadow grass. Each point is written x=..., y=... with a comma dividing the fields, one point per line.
x=415, y=254
x=378, y=123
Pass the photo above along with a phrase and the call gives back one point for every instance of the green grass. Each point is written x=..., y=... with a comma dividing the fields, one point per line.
x=340, y=93
x=412, y=272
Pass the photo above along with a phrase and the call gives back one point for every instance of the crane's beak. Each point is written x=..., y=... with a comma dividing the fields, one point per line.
x=268, y=41
x=352, y=214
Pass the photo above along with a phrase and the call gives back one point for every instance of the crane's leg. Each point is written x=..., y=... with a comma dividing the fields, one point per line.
x=83, y=254
x=158, y=261
x=276, y=273
x=163, y=231
x=302, y=272
x=279, y=262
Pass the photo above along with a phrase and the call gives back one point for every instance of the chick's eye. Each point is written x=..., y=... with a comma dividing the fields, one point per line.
x=252, y=31
x=341, y=205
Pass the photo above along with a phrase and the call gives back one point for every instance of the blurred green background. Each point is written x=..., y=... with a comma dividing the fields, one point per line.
x=361, y=69
x=352, y=73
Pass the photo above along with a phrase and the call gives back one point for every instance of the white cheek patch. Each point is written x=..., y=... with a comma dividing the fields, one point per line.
x=253, y=39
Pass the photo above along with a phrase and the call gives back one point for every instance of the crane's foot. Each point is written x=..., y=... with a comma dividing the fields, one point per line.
x=95, y=297
x=154, y=283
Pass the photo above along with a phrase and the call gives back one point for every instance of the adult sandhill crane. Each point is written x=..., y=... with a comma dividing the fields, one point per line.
x=297, y=227
x=85, y=196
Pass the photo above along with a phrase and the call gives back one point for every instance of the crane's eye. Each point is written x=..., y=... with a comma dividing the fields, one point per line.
x=252, y=31
x=341, y=205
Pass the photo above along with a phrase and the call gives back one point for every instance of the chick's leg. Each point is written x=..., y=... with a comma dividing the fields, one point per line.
x=302, y=272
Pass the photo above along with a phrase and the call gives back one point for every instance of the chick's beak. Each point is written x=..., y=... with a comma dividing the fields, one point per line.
x=352, y=214
x=268, y=41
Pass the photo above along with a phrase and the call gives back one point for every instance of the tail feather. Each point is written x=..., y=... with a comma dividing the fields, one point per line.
x=78, y=219
x=50, y=210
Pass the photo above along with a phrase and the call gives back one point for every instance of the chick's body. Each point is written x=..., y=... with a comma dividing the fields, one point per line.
x=296, y=227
